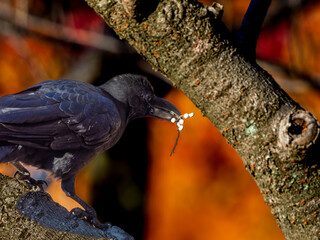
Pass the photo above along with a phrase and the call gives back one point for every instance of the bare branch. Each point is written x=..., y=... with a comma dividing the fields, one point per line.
x=60, y=32
x=251, y=25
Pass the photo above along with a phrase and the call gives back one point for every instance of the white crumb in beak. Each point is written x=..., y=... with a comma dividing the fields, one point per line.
x=180, y=120
x=188, y=115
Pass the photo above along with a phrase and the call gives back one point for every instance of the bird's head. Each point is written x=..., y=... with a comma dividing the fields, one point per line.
x=137, y=94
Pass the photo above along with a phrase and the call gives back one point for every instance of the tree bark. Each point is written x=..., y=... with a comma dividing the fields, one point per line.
x=17, y=201
x=277, y=140
x=14, y=225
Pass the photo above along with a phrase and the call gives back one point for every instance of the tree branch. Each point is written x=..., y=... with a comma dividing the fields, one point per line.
x=250, y=27
x=275, y=137
x=59, y=31
x=45, y=215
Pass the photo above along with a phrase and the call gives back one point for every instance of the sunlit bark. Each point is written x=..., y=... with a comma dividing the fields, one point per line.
x=276, y=138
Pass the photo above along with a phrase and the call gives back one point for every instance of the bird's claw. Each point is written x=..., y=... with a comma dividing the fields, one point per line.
x=21, y=175
x=79, y=213
x=36, y=185
x=88, y=217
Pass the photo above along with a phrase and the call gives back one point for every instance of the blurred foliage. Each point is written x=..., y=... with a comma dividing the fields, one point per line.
x=29, y=60
x=294, y=42
x=203, y=191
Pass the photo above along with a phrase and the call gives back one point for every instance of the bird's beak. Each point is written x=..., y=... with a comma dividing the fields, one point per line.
x=163, y=109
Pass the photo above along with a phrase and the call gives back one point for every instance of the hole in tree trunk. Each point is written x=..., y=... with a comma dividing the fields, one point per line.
x=298, y=126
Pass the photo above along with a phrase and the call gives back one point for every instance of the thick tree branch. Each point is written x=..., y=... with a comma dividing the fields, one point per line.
x=46, y=216
x=275, y=137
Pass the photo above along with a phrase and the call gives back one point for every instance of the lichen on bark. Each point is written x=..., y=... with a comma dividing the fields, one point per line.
x=189, y=44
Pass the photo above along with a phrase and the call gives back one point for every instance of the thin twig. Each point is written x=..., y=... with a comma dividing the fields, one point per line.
x=61, y=32
x=251, y=26
x=175, y=144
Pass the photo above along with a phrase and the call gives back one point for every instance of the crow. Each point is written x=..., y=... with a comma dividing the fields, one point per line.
x=60, y=125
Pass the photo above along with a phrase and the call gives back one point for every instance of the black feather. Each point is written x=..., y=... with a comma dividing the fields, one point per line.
x=61, y=125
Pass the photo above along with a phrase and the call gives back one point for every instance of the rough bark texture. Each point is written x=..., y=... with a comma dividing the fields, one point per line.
x=39, y=206
x=276, y=139
x=13, y=225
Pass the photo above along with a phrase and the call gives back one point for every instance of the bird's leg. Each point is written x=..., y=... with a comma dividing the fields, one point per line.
x=89, y=214
x=24, y=174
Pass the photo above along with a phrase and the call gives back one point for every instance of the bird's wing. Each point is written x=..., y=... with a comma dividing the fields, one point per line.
x=58, y=115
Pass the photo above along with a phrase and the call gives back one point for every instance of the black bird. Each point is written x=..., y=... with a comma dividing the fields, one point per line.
x=60, y=125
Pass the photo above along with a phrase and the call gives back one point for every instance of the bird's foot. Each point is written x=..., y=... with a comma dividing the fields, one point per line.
x=36, y=185
x=89, y=217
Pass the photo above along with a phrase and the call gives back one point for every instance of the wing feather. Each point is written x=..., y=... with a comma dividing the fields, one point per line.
x=58, y=115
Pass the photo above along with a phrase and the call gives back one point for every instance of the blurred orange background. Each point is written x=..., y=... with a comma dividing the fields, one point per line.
x=203, y=190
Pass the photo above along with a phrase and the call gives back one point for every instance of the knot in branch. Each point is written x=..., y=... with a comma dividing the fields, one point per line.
x=298, y=130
